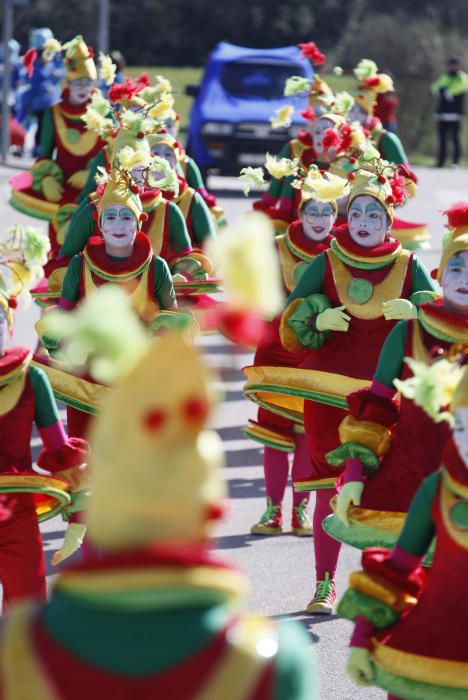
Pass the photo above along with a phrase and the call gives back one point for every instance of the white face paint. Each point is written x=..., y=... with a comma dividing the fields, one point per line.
x=166, y=152
x=460, y=433
x=171, y=127
x=357, y=114
x=139, y=175
x=317, y=219
x=318, y=129
x=367, y=221
x=455, y=282
x=80, y=90
x=4, y=332
x=119, y=228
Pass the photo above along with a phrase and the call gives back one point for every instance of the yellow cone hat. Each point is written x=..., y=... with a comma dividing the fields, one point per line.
x=117, y=191
x=79, y=62
x=155, y=469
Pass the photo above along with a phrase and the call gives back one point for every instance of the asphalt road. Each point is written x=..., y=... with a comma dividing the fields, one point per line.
x=280, y=569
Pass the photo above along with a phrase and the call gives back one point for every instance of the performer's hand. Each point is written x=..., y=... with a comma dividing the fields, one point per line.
x=78, y=179
x=333, y=320
x=399, y=310
x=350, y=493
x=359, y=666
x=52, y=189
x=74, y=536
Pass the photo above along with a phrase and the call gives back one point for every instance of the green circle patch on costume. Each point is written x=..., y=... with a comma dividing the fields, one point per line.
x=459, y=515
x=360, y=290
x=72, y=135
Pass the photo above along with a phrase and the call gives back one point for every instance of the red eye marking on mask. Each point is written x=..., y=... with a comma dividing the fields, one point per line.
x=154, y=420
x=195, y=410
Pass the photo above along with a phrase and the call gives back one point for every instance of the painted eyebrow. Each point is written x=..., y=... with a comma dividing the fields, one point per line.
x=372, y=207
x=456, y=262
x=356, y=206
x=124, y=212
x=110, y=211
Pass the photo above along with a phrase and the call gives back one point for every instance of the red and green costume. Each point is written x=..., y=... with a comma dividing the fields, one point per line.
x=361, y=279
x=412, y=236
x=415, y=625
x=165, y=226
x=144, y=276
x=295, y=252
x=159, y=622
x=417, y=443
x=67, y=147
x=26, y=398
x=200, y=223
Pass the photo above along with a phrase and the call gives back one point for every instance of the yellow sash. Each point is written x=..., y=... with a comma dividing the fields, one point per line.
x=390, y=288
x=146, y=308
x=84, y=144
x=10, y=393
x=185, y=200
x=156, y=230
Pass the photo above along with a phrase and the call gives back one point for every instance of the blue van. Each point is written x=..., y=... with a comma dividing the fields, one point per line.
x=240, y=91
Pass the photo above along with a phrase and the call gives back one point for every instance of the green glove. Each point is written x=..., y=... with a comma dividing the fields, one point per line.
x=399, y=310
x=350, y=492
x=192, y=267
x=52, y=189
x=359, y=666
x=74, y=536
x=333, y=320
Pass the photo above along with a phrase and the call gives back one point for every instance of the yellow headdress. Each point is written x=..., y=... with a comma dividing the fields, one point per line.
x=118, y=191
x=163, y=139
x=370, y=84
x=79, y=60
x=323, y=187
x=320, y=96
x=367, y=182
x=456, y=240
x=147, y=459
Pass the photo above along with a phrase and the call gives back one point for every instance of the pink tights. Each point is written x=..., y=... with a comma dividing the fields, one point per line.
x=326, y=548
x=276, y=468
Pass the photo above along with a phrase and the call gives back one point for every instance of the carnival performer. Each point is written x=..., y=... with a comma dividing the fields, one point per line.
x=121, y=255
x=139, y=96
x=67, y=146
x=399, y=446
x=157, y=614
x=336, y=310
x=27, y=399
x=164, y=223
x=40, y=77
x=200, y=223
x=305, y=238
x=370, y=84
x=320, y=100
x=405, y=641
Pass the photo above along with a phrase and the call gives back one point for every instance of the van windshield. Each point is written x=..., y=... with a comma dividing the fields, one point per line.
x=258, y=79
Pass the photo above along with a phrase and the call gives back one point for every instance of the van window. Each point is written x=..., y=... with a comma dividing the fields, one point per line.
x=257, y=79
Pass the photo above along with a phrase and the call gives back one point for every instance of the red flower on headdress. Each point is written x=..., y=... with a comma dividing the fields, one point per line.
x=331, y=140
x=346, y=136
x=143, y=80
x=28, y=61
x=369, y=82
x=12, y=302
x=91, y=52
x=308, y=114
x=120, y=91
x=398, y=185
x=312, y=52
x=457, y=215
